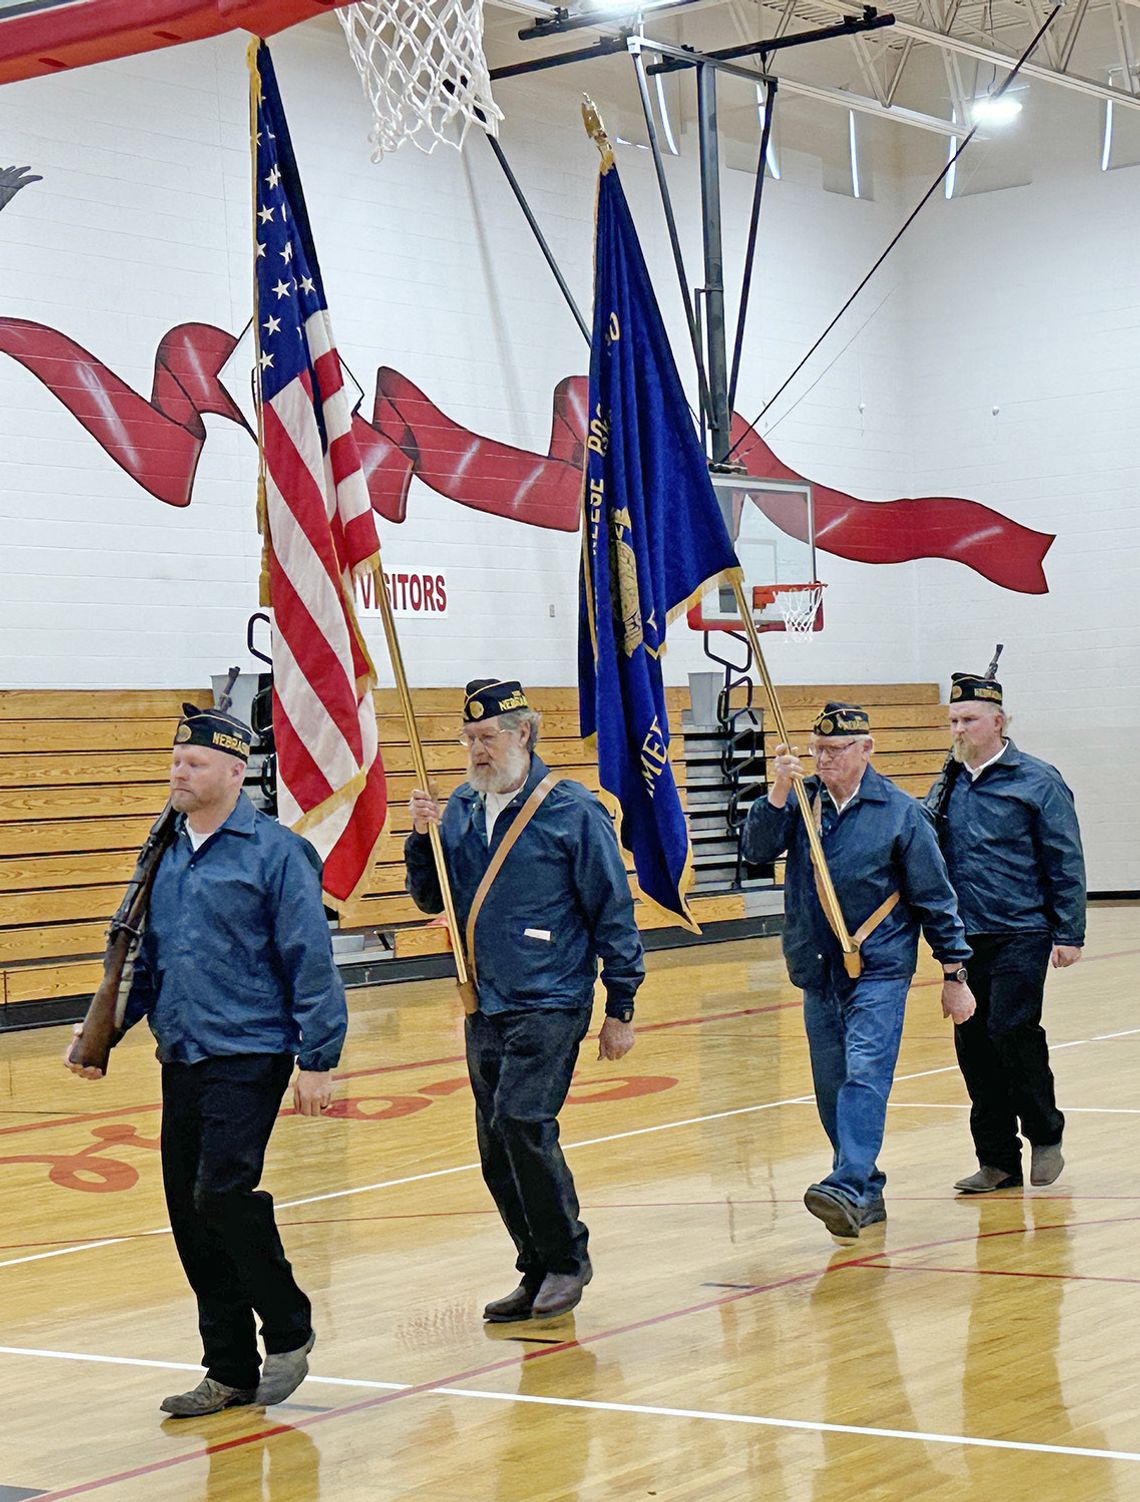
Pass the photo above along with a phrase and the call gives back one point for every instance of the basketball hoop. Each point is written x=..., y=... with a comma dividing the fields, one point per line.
x=799, y=605
x=423, y=68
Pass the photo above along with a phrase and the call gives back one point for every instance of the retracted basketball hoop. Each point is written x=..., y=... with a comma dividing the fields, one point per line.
x=423, y=69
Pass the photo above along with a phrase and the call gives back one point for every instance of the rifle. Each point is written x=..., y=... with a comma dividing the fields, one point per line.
x=92, y=1048
x=938, y=798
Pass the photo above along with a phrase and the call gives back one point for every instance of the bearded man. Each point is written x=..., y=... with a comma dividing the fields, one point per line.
x=559, y=903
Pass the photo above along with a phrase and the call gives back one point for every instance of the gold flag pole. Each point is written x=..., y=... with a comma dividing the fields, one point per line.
x=829, y=899
x=418, y=762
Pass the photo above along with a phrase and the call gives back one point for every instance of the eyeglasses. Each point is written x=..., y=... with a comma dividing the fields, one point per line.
x=822, y=753
x=484, y=738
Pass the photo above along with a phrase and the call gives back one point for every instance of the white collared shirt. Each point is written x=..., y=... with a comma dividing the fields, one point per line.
x=976, y=772
x=493, y=804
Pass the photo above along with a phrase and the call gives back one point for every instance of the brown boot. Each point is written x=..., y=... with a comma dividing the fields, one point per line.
x=986, y=1180
x=514, y=1306
x=561, y=1292
x=1046, y=1165
x=208, y=1397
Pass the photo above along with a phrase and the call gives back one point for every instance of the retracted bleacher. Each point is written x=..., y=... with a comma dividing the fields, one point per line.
x=84, y=773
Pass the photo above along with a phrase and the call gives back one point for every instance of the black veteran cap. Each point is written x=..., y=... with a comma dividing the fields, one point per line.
x=212, y=728
x=967, y=686
x=486, y=697
x=837, y=718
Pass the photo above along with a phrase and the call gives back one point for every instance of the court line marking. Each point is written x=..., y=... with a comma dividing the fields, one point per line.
x=438, y=1173
x=512, y=1362
x=647, y=1027
x=651, y=1410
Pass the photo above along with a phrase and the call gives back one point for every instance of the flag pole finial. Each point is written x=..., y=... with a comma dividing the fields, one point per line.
x=592, y=120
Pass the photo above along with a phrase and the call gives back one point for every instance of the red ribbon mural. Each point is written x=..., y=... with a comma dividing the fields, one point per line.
x=158, y=443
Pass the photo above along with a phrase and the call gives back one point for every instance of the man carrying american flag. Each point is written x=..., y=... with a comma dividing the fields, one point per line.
x=317, y=523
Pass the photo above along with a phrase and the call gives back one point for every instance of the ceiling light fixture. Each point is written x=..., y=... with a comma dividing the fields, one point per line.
x=995, y=109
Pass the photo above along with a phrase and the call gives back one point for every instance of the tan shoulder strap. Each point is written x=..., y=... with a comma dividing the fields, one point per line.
x=852, y=963
x=518, y=824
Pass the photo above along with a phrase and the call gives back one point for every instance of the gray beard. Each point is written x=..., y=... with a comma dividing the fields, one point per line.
x=501, y=779
x=957, y=753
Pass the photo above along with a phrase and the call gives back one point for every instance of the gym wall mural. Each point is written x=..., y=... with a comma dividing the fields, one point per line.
x=158, y=441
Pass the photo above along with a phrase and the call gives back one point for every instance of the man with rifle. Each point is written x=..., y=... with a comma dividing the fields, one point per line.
x=1009, y=832
x=235, y=975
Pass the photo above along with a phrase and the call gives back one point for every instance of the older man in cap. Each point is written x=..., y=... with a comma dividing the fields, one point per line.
x=236, y=977
x=1008, y=828
x=891, y=880
x=556, y=902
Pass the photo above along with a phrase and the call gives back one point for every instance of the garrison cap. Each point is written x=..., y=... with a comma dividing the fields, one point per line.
x=968, y=686
x=837, y=718
x=213, y=728
x=483, y=698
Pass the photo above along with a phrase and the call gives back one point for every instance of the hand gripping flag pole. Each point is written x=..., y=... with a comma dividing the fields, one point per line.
x=829, y=898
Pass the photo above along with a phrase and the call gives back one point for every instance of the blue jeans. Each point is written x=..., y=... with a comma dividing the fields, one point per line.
x=854, y=1040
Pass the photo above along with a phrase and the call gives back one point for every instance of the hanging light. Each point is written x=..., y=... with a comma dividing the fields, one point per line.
x=994, y=109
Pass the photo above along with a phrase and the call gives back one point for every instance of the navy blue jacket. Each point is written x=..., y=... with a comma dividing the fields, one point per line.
x=560, y=901
x=236, y=955
x=883, y=841
x=1013, y=848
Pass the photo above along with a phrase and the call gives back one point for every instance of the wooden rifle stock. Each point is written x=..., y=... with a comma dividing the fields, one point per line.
x=92, y=1049
x=938, y=798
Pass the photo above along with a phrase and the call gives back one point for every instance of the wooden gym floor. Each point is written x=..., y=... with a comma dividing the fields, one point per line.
x=727, y=1348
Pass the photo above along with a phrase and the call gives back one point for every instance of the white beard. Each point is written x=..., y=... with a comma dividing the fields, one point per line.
x=493, y=779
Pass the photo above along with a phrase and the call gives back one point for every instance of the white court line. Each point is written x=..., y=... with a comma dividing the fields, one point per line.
x=811, y=1426
x=180, y=1366
x=928, y=1105
x=438, y=1173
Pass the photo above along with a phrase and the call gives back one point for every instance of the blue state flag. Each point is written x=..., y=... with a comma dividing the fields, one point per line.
x=653, y=539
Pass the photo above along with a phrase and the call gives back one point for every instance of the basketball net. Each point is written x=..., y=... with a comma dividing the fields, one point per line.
x=423, y=69
x=798, y=605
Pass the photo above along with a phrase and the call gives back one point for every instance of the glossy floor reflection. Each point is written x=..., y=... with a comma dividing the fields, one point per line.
x=727, y=1348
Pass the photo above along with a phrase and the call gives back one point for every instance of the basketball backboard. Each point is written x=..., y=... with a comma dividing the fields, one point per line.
x=772, y=525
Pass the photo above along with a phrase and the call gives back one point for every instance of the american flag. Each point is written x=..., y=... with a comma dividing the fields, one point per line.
x=318, y=527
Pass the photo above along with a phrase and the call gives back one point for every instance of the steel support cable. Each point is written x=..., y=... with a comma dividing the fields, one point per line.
x=911, y=217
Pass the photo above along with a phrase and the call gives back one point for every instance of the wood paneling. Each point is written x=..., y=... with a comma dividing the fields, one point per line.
x=83, y=775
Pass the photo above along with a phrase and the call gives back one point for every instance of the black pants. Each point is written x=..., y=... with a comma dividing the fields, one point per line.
x=1003, y=1052
x=520, y=1065
x=216, y=1119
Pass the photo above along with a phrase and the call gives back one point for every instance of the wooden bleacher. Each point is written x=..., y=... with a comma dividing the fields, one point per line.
x=83, y=775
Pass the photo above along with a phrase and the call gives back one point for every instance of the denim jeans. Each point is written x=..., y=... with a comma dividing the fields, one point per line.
x=854, y=1033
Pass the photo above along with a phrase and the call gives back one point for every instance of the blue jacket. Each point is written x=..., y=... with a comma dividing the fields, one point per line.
x=560, y=901
x=883, y=841
x=1013, y=848
x=236, y=956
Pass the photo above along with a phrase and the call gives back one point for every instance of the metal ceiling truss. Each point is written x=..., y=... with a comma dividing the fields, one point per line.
x=988, y=31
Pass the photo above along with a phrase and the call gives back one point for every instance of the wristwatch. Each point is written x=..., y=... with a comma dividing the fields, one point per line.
x=624, y=1015
x=961, y=975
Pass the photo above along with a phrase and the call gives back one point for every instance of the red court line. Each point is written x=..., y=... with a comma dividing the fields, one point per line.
x=513, y=1361
x=354, y=1074
x=991, y=1272
x=647, y=1027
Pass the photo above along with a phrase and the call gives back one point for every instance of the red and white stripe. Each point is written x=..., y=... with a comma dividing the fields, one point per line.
x=322, y=532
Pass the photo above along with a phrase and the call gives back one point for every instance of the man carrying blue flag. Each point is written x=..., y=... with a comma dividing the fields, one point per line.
x=653, y=539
